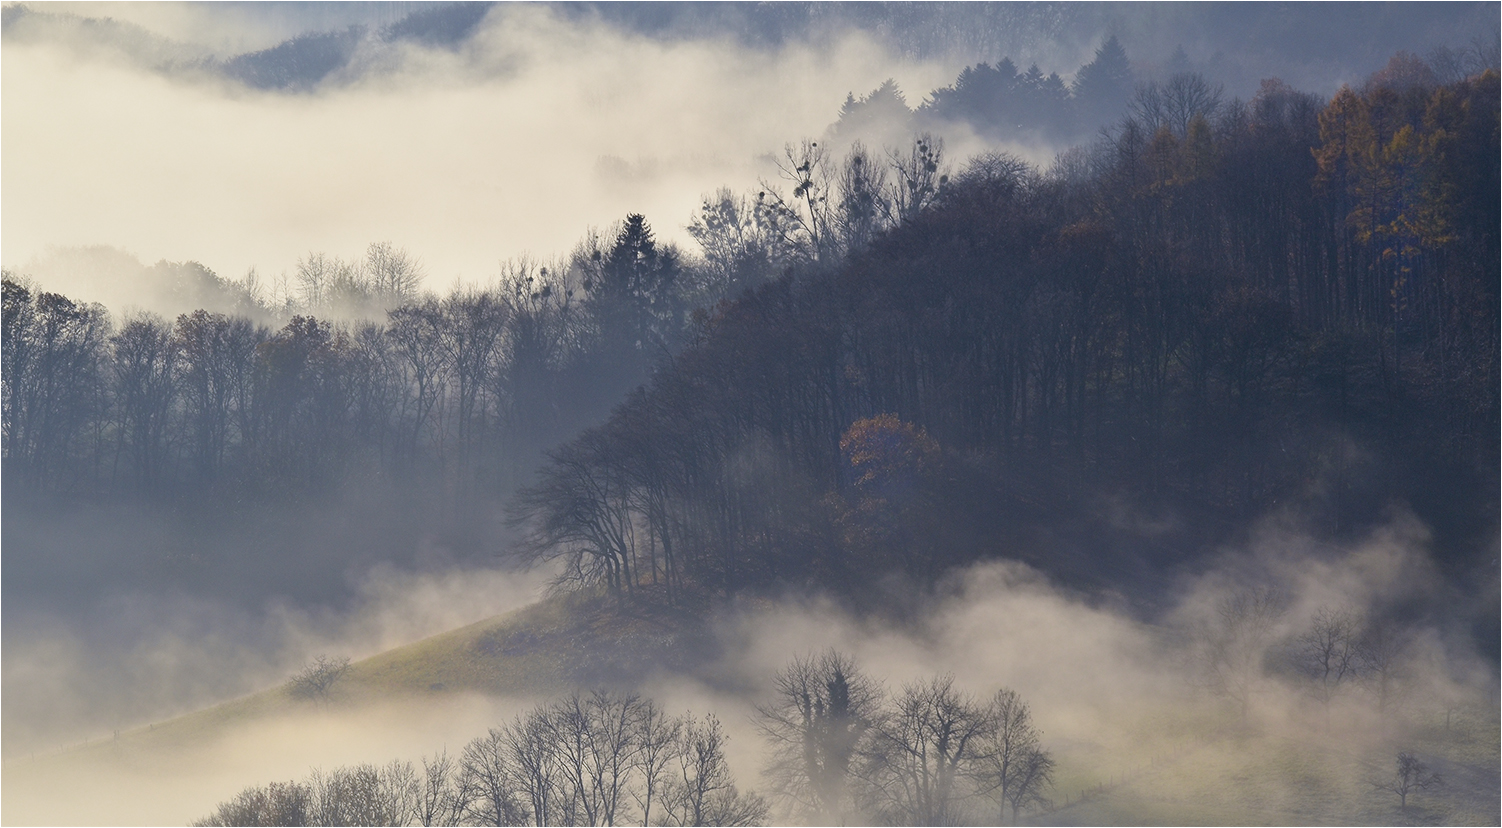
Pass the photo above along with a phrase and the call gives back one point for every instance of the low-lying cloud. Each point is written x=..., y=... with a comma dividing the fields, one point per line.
x=530, y=132
x=1110, y=689
x=144, y=657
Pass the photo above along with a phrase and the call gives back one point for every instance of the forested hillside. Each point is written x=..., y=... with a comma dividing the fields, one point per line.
x=1223, y=311
x=1216, y=312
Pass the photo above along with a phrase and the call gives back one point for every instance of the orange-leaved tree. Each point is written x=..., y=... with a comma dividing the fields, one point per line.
x=893, y=467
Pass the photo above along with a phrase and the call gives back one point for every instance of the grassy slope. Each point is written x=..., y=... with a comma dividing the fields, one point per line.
x=534, y=651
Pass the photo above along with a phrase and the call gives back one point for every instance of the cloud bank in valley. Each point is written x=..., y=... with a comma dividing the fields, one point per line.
x=534, y=125
x=1110, y=689
x=528, y=133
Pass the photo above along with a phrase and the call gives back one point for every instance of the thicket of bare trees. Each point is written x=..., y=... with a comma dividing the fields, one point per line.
x=823, y=709
x=599, y=758
x=461, y=387
x=843, y=751
x=1247, y=647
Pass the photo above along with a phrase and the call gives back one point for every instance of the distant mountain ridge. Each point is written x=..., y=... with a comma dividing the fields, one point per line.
x=307, y=60
x=294, y=65
x=1310, y=46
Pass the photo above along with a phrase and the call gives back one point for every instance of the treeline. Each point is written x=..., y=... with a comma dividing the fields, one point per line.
x=588, y=759
x=841, y=750
x=454, y=389
x=1223, y=305
x=1002, y=103
x=368, y=379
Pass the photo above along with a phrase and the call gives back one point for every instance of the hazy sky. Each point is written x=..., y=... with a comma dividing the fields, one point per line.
x=517, y=143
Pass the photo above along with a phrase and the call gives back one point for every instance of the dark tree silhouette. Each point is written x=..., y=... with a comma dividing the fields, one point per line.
x=823, y=709
x=1409, y=777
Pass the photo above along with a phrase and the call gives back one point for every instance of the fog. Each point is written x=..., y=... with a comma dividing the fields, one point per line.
x=534, y=130
x=538, y=123
x=1112, y=691
x=233, y=27
x=136, y=656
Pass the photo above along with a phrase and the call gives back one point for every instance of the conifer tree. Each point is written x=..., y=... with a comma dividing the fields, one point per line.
x=1102, y=86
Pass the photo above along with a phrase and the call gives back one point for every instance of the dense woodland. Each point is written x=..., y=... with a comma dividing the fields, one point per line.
x=880, y=363
x=1223, y=305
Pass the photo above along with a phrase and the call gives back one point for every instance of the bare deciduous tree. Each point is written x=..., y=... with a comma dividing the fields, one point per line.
x=803, y=222
x=144, y=372
x=399, y=792
x=823, y=707
x=923, y=751
x=1410, y=776
x=740, y=242
x=703, y=791
x=1011, y=761
x=417, y=331
x=1381, y=654
x=440, y=799
x=593, y=738
x=487, y=782
x=1326, y=653
x=1176, y=102
x=534, y=765
x=1234, y=648
x=390, y=272
x=316, y=680
x=470, y=336
x=921, y=174
x=657, y=738
x=865, y=205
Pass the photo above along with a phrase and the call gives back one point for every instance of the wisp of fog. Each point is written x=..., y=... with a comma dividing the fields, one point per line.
x=1112, y=691
x=530, y=132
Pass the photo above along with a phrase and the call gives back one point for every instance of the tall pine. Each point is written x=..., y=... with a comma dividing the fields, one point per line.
x=1103, y=86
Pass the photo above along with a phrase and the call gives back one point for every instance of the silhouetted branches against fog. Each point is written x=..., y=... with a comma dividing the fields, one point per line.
x=822, y=708
x=842, y=751
x=1411, y=776
x=586, y=759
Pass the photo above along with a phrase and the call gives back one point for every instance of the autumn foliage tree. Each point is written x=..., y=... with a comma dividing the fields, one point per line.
x=892, y=468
